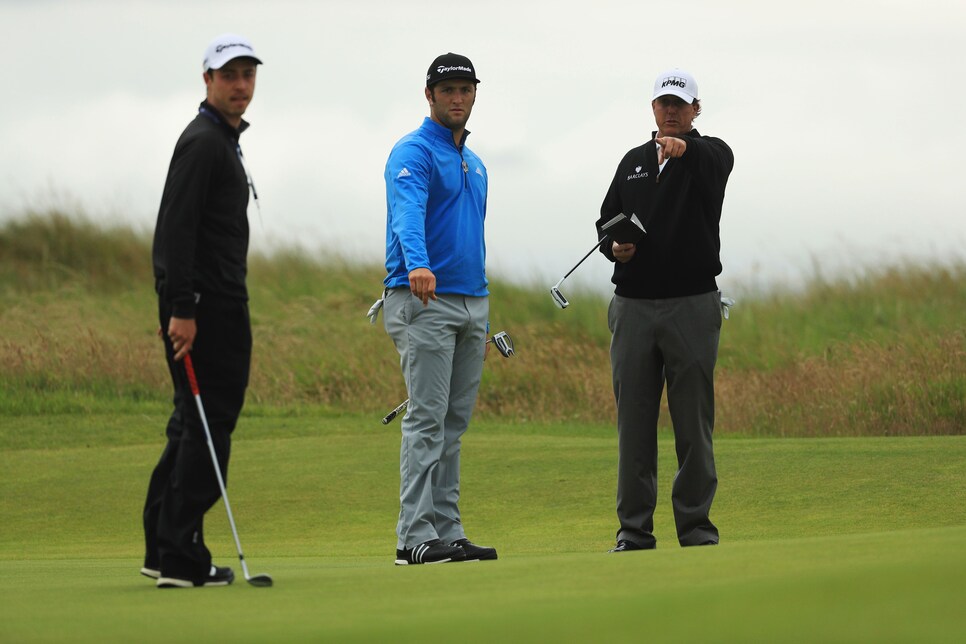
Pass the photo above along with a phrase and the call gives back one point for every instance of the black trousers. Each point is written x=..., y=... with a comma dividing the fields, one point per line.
x=675, y=341
x=183, y=485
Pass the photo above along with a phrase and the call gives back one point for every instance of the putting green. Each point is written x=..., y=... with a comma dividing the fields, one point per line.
x=822, y=539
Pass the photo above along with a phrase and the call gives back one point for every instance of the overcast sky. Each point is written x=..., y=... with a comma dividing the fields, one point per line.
x=844, y=117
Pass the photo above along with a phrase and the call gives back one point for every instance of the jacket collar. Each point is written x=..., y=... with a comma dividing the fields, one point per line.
x=207, y=110
x=442, y=131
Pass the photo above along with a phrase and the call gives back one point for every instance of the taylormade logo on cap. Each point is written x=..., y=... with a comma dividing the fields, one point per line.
x=456, y=68
x=450, y=66
x=221, y=48
x=676, y=82
x=226, y=48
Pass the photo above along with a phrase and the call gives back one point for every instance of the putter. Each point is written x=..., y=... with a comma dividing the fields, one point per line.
x=257, y=580
x=395, y=412
x=502, y=341
x=558, y=297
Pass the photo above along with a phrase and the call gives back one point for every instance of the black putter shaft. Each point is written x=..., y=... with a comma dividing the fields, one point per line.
x=555, y=293
x=592, y=249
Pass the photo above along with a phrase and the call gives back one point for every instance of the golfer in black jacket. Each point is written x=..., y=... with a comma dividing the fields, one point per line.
x=665, y=316
x=200, y=263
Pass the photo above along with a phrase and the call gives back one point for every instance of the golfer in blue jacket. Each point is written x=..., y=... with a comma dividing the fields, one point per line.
x=436, y=309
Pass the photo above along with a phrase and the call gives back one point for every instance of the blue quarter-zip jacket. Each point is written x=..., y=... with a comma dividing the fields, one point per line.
x=436, y=206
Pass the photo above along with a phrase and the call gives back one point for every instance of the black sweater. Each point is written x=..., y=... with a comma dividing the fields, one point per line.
x=201, y=237
x=680, y=209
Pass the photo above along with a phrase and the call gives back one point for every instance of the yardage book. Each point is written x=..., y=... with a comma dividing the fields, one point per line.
x=624, y=229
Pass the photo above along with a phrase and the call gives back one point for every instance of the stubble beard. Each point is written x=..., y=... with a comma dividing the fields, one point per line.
x=450, y=122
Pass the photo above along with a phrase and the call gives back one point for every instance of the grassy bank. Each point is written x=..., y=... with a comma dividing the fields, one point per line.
x=878, y=354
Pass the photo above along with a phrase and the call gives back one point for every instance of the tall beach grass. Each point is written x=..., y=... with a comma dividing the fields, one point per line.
x=875, y=354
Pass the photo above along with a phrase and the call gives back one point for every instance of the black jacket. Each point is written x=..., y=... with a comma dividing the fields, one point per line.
x=201, y=237
x=680, y=209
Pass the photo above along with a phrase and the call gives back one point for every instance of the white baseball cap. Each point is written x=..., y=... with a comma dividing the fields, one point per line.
x=227, y=47
x=676, y=82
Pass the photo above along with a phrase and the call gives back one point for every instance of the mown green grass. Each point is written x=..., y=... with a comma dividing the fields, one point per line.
x=851, y=539
x=842, y=589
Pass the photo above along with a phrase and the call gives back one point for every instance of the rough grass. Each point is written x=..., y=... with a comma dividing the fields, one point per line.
x=877, y=354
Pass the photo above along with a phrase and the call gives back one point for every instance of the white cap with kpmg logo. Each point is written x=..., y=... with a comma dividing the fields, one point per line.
x=676, y=82
x=228, y=47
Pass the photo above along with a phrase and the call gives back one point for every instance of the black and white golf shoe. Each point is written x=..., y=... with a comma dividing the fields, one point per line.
x=429, y=552
x=626, y=545
x=217, y=577
x=151, y=573
x=474, y=552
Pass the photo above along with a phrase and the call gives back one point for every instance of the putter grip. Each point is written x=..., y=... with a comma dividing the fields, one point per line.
x=390, y=416
x=189, y=369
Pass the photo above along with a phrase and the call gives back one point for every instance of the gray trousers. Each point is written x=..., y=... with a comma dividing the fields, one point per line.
x=674, y=339
x=441, y=350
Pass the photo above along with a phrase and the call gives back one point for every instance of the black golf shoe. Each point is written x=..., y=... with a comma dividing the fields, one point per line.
x=623, y=545
x=430, y=552
x=152, y=573
x=217, y=577
x=474, y=552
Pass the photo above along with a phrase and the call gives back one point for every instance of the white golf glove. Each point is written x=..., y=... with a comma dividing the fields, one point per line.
x=373, y=313
x=726, y=304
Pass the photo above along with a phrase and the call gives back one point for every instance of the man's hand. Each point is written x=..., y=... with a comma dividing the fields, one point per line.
x=182, y=332
x=670, y=148
x=623, y=252
x=422, y=283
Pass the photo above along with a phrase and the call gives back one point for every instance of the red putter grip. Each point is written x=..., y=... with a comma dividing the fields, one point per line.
x=190, y=370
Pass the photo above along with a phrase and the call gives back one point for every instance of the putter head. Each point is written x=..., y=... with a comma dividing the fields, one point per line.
x=558, y=297
x=262, y=581
x=503, y=343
